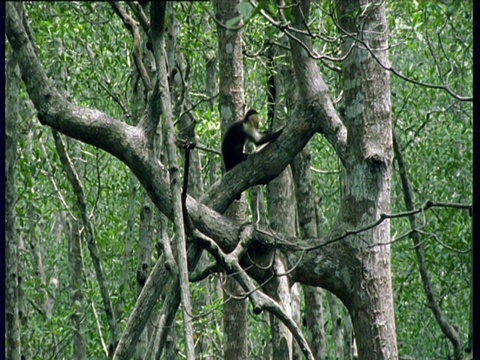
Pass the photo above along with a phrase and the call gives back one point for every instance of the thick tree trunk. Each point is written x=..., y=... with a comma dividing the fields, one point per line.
x=308, y=228
x=367, y=177
x=357, y=268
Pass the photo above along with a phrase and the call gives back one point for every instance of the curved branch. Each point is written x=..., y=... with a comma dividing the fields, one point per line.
x=81, y=203
x=127, y=143
x=448, y=329
x=140, y=14
x=137, y=53
x=260, y=301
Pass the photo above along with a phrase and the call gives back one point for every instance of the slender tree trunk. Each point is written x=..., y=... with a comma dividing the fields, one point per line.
x=337, y=327
x=314, y=321
x=231, y=106
x=144, y=264
x=162, y=93
x=37, y=252
x=470, y=327
x=24, y=307
x=234, y=322
x=308, y=228
x=76, y=296
x=12, y=319
x=318, y=332
x=163, y=341
x=136, y=103
x=207, y=341
x=81, y=203
x=235, y=314
x=186, y=121
x=281, y=207
x=349, y=346
x=124, y=281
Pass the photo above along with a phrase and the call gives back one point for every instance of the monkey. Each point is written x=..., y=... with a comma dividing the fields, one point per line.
x=236, y=136
x=238, y=133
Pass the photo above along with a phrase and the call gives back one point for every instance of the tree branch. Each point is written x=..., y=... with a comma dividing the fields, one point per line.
x=260, y=301
x=74, y=180
x=394, y=71
x=448, y=330
x=131, y=25
x=140, y=14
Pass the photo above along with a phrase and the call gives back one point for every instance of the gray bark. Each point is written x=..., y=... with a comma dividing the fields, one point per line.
x=75, y=265
x=281, y=207
x=161, y=93
x=337, y=326
x=308, y=228
x=231, y=107
x=367, y=178
x=12, y=318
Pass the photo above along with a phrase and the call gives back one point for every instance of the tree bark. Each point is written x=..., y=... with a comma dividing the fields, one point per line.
x=337, y=328
x=161, y=94
x=308, y=228
x=232, y=108
x=75, y=267
x=12, y=318
x=281, y=210
x=144, y=264
x=367, y=177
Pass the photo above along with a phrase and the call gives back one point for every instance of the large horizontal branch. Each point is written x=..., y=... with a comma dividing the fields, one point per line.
x=127, y=143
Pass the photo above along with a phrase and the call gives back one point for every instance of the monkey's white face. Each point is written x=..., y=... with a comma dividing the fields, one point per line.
x=254, y=120
x=250, y=128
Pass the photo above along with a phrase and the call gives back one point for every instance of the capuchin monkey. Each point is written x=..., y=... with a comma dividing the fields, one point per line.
x=236, y=136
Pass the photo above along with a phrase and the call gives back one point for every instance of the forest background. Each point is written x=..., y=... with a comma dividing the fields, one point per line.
x=85, y=230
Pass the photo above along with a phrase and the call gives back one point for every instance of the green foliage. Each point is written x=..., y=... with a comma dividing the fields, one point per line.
x=435, y=132
x=87, y=51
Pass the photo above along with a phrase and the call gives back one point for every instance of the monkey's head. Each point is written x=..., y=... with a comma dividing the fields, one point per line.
x=252, y=117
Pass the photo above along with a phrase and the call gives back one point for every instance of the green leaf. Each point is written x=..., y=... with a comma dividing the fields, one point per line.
x=233, y=21
x=245, y=9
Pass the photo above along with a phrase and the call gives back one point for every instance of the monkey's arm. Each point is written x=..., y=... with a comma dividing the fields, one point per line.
x=259, y=139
